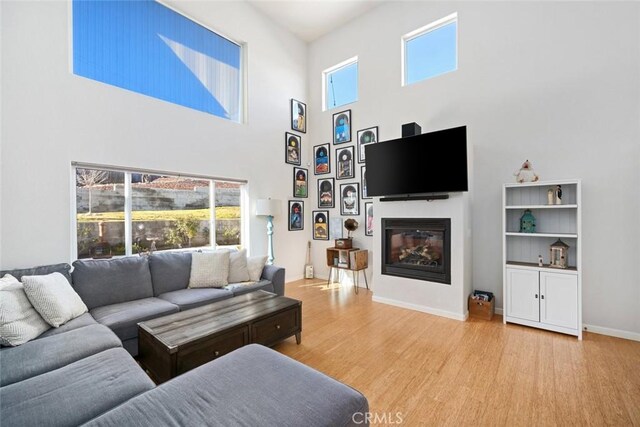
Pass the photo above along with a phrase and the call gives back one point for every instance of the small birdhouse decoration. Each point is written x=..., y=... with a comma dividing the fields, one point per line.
x=559, y=254
x=527, y=222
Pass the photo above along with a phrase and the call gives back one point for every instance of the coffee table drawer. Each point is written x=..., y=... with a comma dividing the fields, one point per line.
x=209, y=349
x=276, y=328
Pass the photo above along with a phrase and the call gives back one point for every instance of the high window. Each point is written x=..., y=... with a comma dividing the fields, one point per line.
x=430, y=51
x=146, y=47
x=340, y=84
x=124, y=212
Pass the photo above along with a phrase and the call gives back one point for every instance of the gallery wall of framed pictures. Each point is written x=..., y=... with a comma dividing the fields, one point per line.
x=340, y=174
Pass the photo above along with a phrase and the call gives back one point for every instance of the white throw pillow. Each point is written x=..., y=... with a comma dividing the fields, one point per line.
x=255, y=264
x=19, y=321
x=238, y=267
x=209, y=269
x=54, y=298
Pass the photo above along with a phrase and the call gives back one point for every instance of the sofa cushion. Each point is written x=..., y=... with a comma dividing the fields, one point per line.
x=19, y=321
x=170, y=271
x=244, y=288
x=105, y=282
x=192, y=298
x=74, y=394
x=123, y=318
x=79, y=322
x=54, y=298
x=255, y=265
x=46, y=354
x=209, y=269
x=238, y=271
x=237, y=390
x=63, y=269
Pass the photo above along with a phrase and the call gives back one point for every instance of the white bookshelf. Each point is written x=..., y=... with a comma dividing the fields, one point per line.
x=542, y=297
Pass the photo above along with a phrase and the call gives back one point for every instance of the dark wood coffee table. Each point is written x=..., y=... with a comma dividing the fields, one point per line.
x=171, y=345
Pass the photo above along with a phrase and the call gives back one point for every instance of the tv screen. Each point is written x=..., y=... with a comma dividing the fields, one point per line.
x=434, y=162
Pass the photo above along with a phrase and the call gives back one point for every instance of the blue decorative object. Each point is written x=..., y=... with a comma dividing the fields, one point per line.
x=527, y=222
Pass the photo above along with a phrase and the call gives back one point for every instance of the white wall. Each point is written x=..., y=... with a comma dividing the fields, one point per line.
x=555, y=82
x=52, y=117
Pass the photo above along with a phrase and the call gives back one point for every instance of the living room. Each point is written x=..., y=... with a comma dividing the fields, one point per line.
x=555, y=83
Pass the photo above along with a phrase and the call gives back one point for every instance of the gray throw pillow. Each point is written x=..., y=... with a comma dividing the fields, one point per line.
x=209, y=269
x=54, y=298
x=19, y=321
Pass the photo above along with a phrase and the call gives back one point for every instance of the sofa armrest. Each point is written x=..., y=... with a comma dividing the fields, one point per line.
x=276, y=276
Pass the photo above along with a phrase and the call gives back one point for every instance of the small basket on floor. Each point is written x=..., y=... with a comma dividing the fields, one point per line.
x=481, y=309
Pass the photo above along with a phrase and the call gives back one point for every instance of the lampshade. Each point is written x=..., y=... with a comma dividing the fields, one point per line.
x=268, y=207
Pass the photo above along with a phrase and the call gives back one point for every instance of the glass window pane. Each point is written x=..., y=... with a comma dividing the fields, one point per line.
x=169, y=212
x=431, y=54
x=228, y=213
x=99, y=213
x=342, y=86
x=146, y=47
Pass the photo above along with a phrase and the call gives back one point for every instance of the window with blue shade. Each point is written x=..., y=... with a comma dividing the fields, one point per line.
x=431, y=50
x=146, y=47
x=341, y=84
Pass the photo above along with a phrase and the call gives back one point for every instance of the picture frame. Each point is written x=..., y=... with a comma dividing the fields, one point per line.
x=345, y=163
x=320, y=225
x=326, y=193
x=322, y=159
x=298, y=116
x=368, y=219
x=336, y=231
x=342, y=127
x=365, y=137
x=296, y=215
x=300, y=182
x=350, y=199
x=363, y=182
x=292, y=148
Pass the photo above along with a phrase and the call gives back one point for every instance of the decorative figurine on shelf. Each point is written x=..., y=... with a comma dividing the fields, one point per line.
x=526, y=173
x=527, y=222
x=540, y=262
x=551, y=196
x=558, y=194
x=559, y=254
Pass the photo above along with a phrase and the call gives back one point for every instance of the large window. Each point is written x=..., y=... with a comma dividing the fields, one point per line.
x=146, y=47
x=430, y=51
x=128, y=212
x=340, y=84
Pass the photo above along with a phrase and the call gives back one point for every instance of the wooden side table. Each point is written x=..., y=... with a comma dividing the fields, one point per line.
x=353, y=259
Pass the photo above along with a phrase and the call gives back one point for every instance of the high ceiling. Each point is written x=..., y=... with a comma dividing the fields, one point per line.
x=311, y=19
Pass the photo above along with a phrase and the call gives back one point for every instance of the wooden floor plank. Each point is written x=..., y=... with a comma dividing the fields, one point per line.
x=438, y=371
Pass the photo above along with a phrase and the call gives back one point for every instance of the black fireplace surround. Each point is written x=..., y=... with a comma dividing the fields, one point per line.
x=417, y=248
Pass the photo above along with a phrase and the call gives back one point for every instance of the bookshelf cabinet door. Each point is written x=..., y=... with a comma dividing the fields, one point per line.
x=559, y=299
x=523, y=299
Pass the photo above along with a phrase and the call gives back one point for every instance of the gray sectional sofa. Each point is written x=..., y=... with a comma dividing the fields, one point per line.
x=80, y=373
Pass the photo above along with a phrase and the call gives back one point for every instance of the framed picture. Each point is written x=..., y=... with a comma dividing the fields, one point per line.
x=300, y=182
x=293, y=146
x=335, y=227
x=344, y=163
x=320, y=225
x=368, y=213
x=298, y=116
x=296, y=215
x=321, y=159
x=365, y=137
x=363, y=180
x=350, y=199
x=326, y=193
x=342, y=127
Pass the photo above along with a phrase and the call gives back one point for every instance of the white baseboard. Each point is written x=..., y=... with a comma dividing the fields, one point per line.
x=611, y=332
x=422, y=308
x=499, y=311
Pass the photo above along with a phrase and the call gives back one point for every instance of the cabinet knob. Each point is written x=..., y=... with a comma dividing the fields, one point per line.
x=216, y=353
x=536, y=295
x=277, y=326
x=541, y=296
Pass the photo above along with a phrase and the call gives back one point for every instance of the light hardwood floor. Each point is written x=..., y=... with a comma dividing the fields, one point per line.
x=437, y=371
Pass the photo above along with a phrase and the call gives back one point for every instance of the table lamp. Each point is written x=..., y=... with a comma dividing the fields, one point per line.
x=268, y=208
